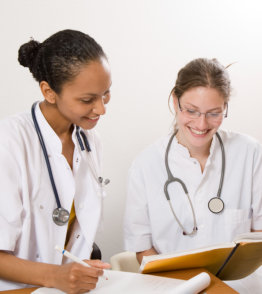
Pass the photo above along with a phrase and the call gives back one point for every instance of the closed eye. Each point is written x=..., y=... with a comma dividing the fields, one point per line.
x=191, y=111
x=213, y=114
x=87, y=101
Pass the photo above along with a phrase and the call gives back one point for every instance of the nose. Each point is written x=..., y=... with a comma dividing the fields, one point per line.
x=99, y=106
x=201, y=122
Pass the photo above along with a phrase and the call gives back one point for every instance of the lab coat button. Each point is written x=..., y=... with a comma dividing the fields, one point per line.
x=81, y=205
x=41, y=206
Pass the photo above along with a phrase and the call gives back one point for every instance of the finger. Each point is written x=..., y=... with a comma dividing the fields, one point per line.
x=84, y=272
x=98, y=264
x=82, y=278
x=92, y=272
x=84, y=287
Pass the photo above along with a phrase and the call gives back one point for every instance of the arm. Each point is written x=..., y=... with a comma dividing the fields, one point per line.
x=257, y=191
x=139, y=255
x=15, y=182
x=70, y=278
x=137, y=226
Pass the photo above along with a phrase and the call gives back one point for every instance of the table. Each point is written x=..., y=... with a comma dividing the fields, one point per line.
x=216, y=286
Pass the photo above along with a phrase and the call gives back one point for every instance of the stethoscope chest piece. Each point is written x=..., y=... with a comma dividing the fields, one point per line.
x=216, y=205
x=60, y=216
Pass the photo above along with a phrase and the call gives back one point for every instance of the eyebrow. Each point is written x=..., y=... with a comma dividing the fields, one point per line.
x=95, y=95
x=196, y=107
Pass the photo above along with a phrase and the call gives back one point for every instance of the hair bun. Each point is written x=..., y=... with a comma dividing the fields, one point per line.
x=28, y=52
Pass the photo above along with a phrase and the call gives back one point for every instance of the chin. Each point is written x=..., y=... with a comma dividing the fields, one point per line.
x=87, y=125
x=200, y=140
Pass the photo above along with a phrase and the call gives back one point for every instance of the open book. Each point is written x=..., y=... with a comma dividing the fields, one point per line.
x=230, y=261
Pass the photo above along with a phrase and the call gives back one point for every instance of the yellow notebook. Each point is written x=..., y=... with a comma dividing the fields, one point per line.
x=230, y=261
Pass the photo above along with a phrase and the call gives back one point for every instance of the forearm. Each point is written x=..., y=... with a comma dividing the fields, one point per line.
x=24, y=271
x=139, y=255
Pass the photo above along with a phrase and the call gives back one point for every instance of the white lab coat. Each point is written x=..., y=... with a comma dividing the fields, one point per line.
x=148, y=218
x=27, y=200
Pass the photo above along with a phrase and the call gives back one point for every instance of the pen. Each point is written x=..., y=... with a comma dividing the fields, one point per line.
x=75, y=258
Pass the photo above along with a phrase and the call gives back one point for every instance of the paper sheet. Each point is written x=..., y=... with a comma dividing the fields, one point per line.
x=130, y=283
x=194, y=285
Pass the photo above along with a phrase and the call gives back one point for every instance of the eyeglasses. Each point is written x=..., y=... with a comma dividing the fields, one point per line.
x=211, y=116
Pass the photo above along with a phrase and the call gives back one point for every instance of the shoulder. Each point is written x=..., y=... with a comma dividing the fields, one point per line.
x=152, y=154
x=240, y=142
x=16, y=127
x=16, y=139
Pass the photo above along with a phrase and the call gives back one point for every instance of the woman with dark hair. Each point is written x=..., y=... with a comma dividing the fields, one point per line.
x=50, y=163
x=201, y=185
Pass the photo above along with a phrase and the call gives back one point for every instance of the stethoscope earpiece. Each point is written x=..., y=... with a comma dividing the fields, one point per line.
x=103, y=182
x=106, y=182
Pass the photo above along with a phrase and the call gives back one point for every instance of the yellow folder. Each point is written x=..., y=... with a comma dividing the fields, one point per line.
x=230, y=261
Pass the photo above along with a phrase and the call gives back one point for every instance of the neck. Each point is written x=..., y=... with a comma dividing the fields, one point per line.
x=58, y=123
x=200, y=153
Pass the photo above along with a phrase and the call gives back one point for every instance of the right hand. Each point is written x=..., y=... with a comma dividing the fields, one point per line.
x=75, y=278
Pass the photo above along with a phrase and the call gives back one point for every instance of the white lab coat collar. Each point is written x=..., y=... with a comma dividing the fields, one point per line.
x=54, y=143
x=177, y=147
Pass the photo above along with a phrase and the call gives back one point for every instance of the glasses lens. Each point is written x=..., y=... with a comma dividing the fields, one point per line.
x=214, y=116
x=191, y=113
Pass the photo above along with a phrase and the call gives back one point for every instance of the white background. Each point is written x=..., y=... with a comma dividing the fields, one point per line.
x=147, y=42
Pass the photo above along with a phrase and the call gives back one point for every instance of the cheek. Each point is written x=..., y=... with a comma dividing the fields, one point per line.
x=216, y=125
x=182, y=121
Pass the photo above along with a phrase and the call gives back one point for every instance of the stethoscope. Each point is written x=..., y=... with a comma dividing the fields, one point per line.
x=61, y=215
x=215, y=204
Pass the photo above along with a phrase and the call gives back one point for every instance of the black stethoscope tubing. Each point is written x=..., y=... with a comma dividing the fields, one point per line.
x=60, y=214
x=42, y=143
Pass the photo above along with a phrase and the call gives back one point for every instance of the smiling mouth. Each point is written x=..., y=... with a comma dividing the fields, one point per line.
x=198, y=132
x=93, y=118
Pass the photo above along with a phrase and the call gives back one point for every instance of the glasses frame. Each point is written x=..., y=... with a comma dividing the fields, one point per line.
x=224, y=115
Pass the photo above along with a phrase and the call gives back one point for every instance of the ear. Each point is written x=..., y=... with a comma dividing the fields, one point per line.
x=175, y=102
x=49, y=94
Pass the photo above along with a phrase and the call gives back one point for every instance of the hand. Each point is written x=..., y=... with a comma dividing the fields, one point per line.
x=139, y=255
x=75, y=278
x=98, y=264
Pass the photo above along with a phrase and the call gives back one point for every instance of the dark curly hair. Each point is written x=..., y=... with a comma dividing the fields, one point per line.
x=60, y=57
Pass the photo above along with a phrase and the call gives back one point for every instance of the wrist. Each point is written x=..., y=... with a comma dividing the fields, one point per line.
x=49, y=277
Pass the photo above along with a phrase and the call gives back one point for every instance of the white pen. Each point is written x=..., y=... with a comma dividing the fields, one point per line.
x=76, y=259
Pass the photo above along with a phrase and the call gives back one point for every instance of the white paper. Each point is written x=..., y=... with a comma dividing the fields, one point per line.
x=194, y=285
x=129, y=283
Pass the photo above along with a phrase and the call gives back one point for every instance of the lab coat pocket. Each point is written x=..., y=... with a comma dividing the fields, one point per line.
x=237, y=221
